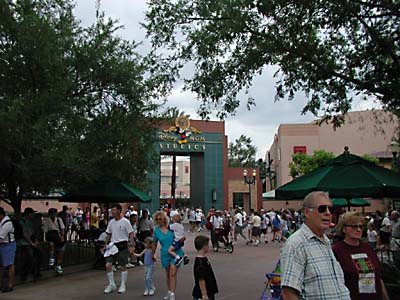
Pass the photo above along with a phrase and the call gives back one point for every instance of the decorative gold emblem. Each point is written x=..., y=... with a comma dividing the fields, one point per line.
x=183, y=128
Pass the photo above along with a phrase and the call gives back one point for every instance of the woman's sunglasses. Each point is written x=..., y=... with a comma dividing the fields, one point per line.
x=355, y=226
x=323, y=208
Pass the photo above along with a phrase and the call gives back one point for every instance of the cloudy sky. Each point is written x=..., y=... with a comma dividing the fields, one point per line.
x=261, y=123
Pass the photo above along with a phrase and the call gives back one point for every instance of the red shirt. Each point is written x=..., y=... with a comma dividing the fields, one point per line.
x=362, y=270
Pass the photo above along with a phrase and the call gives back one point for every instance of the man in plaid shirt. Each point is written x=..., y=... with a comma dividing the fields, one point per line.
x=309, y=268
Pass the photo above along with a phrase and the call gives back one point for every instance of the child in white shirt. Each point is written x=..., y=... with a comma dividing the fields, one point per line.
x=372, y=235
x=179, y=238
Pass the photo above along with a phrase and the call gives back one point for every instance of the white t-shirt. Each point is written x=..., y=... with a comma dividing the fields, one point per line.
x=179, y=231
x=192, y=216
x=79, y=213
x=264, y=221
x=372, y=236
x=239, y=219
x=199, y=216
x=386, y=224
x=216, y=221
x=6, y=230
x=119, y=230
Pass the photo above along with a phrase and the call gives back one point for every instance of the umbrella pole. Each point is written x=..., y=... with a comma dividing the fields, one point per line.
x=348, y=204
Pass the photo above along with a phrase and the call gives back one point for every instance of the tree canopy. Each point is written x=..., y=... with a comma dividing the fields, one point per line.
x=75, y=102
x=330, y=50
x=242, y=153
x=302, y=164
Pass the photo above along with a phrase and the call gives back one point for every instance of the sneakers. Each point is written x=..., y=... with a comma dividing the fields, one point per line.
x=140, y=263
x=152, y=291
x=129, y=265
x=186, y=260
x=59, y=270
x=51, y=261
x=168, y=296
x=122, y=289
x=178, y=261
x=110, y=288
x=146, y=293
x=172, y=296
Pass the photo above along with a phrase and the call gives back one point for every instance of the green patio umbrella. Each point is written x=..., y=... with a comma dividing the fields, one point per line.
x=347, y=176
x=355, y=202
x=106, y=191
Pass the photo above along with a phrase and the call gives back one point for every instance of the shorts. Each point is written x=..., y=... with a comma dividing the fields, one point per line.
x=385, y=237
x=250, y=227
x=7, y=253
x=177, y=245
x=255, y=231
x=122, y=258
x=263, y=231
x=274, y=229
x=238, y=229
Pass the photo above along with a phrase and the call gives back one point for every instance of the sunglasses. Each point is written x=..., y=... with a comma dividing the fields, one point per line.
x=355, y=226
x=324, y=208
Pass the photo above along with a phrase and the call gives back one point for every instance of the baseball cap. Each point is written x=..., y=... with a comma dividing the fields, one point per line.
x=173, y=213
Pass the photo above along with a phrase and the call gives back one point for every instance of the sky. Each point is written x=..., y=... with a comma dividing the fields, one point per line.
x=260, y=123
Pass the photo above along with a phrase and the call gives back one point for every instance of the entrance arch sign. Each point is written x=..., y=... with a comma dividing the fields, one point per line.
x=206, y=144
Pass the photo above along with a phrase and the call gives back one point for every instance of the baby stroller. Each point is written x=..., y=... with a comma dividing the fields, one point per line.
x=272, y=290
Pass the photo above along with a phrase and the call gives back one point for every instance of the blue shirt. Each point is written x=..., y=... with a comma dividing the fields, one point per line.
x=148, y=257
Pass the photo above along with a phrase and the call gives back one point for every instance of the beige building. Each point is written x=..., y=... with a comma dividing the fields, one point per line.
x=364, y=132
x=182, y=190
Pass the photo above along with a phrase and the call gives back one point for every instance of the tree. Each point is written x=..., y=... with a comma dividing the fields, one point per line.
x=331, y=50
x=75, y=102
x=242, y=153
x=302, y=164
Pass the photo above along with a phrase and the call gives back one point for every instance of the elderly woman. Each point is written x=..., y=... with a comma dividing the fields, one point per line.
x=165, y=236
x=360, y=264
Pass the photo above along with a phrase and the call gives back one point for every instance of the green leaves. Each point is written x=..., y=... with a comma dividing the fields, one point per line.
x=332, y=50
x=302, y=164
x=242, y=153
x=75, y=103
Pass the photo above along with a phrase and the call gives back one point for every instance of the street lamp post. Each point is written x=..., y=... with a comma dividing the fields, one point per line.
x=394, y=147
x=249, y=182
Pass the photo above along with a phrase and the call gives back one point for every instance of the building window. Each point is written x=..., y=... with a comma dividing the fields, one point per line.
x=186, y=169
x=238, y=199
x=300, y=149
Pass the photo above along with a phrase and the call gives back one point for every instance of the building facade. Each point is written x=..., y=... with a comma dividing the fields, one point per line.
x=364, y=132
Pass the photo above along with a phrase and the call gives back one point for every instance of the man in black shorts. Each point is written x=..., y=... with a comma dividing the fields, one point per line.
x=120, y=233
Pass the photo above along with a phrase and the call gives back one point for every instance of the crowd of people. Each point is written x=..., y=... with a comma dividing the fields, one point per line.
x=319, y=259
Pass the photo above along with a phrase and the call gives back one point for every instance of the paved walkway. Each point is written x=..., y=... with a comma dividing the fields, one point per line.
x=240, y=276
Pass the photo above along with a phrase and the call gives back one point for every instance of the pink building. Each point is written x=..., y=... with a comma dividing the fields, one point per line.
x=364, y=132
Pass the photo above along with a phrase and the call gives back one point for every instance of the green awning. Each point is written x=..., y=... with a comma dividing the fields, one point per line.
x=112, y=191
x=355, y=202
x=347, y=176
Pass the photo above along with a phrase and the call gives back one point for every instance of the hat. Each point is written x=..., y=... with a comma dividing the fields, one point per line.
x=29, y=210
x=173, y=213
x=135, y=213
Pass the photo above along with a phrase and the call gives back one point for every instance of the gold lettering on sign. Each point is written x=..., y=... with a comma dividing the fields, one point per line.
x=204, y=147
x=175, y=146
x=183, y=147
x=167, y=146
x=196, y=147
x=161, y=146
x=189, y=147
